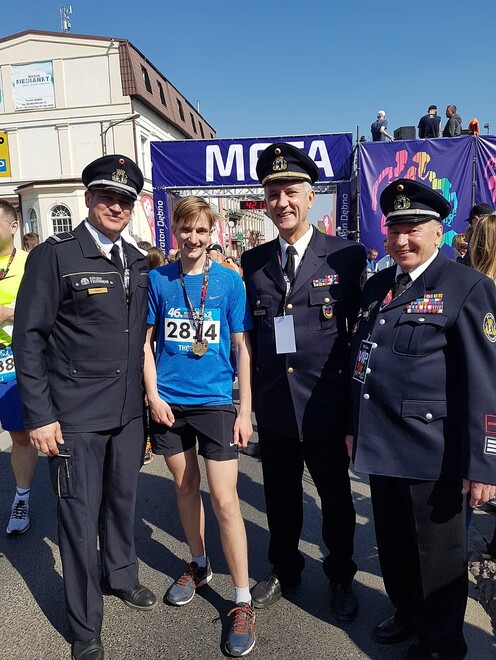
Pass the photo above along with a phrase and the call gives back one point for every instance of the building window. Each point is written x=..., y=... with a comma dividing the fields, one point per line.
x=193, y=122
x=161, y=93
x=33, y=222
x=61, y=218
x=180, y=107
x=201, y=130
x=146, y=80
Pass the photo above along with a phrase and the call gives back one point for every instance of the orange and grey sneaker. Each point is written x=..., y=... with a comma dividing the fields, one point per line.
x=182, y=591
x=241, y=637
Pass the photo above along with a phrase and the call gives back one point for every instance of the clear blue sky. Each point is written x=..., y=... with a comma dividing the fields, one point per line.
x=284, y=67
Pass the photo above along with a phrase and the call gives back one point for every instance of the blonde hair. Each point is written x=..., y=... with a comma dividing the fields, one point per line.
x=190, y=209
x=482, y=246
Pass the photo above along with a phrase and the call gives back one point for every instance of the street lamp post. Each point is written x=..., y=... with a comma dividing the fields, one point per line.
x=488, y=126
x=104, y=131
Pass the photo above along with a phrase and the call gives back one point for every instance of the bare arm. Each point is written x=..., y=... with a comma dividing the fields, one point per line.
x=6, y=314
x=243, y=427
x=159, y=409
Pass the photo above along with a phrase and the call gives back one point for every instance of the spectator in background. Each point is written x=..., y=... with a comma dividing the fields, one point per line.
x=476, y=212
x=387, y=260
x=378, y=128
x=144, y=245
x=155, y=257
x=371, y=266
x=453, y=126
x=173, y=255
x=430, y=124
x=30, y=241
x=459, y=245
x=23, y=456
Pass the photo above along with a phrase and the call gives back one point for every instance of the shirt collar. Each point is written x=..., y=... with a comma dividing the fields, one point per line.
x=300, y=245
x=417, y=272
x=103, y=242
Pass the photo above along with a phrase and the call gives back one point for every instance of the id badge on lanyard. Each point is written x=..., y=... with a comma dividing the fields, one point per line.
x=362, y=361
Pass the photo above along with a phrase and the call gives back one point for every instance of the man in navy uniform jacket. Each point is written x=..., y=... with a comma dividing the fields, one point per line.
x=78, y=346
x=303, y=289
x=424, y=359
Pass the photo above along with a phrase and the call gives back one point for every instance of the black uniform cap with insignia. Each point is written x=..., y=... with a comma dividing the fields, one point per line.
x=406, y=201
x=284, y=161
x=116, y=172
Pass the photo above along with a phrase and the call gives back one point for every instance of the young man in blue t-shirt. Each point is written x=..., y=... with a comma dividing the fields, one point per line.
x=196, y=307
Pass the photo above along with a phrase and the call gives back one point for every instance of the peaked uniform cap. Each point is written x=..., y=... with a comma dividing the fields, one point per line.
x=282, y=161
x=407, y=201
x=116, y=173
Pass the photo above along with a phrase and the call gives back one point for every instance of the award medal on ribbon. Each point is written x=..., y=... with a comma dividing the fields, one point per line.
x=200, y=345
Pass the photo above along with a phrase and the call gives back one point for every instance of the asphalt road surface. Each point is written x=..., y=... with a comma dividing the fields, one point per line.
x=32, y=617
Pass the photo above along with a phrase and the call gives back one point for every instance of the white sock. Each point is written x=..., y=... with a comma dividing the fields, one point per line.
x=242, y=595
x=22, y=494
x=201, y=561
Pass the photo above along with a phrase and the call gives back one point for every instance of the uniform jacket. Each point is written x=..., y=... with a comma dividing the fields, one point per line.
x=305, y=391
x=428, y=404
x=78, y=349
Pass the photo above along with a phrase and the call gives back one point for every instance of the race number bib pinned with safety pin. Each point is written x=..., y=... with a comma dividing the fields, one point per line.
x=7, y=366
x=180, y=332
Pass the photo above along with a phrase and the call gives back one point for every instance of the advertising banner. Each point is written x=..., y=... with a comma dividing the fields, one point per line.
x=446, y=165
x=485, y=190
x=214, y=163
x=4, y=155
x=33, y=86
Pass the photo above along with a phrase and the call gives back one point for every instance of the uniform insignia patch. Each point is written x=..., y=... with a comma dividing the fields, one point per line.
x=327, y=280
x=490, y=424
x=388, y=298
x=280, y=164
x=119, y=176
x=401, y=203
x=327, y=311
x=490, y=447
x=489, y=327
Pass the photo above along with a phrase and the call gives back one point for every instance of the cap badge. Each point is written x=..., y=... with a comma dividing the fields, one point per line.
x=120, y=176
x=401, y=203
x=280, y=164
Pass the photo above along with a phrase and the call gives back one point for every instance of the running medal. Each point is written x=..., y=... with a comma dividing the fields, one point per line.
x=200, y=347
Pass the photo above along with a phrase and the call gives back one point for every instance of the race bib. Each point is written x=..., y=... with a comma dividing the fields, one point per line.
x=180, y=333
x=7, y=366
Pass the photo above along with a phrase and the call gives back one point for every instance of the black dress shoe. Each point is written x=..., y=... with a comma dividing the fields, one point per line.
x=344, y=603
x=141, y=598
x=391, y=631
x=91, y=649
x=266, y=592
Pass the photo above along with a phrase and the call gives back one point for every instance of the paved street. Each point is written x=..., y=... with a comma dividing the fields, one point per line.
x=32, y=606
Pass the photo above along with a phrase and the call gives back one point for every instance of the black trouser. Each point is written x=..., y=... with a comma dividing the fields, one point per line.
x=283, y=460
x=421, y=539
x=97, y=497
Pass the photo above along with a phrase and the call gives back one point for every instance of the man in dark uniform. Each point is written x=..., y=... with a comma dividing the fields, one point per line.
x=303, y=289
x=424, y=358
x=79, y=334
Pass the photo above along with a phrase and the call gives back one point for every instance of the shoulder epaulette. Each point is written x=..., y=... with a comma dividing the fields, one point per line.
x=60, y=238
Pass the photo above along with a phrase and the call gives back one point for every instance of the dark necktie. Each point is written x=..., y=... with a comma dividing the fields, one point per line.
x=402, y=281
x=115, y=258
x=289, y=268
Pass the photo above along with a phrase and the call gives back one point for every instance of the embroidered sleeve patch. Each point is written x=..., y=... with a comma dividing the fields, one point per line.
x=490, y=424
x=489, y=327
x=490, y=447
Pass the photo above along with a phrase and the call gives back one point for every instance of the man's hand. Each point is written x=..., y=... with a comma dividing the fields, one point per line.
x=349, y=445
x=47, y=438
x=6, y=314
x=479, y=493
x=161, y=411
x=243, y=430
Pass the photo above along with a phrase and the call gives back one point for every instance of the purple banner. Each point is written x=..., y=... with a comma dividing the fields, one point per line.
x=486, y=171
x=446, y=165
x=214, y=163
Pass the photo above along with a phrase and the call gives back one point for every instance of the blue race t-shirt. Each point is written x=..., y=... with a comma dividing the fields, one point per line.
x=183, y=378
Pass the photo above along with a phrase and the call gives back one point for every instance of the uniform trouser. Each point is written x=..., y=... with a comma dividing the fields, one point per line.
x=421, y=539
x=97, y=498
x=283, y=460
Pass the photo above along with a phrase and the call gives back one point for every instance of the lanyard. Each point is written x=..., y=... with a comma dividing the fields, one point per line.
x=200, y=345
x=4, y=271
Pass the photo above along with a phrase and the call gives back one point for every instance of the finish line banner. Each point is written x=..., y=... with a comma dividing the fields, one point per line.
x=215, y=163
x=444, y=164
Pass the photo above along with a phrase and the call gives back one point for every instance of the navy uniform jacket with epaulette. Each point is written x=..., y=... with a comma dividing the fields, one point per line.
x=427, y=407
x=305, y=391
x=78, y=349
